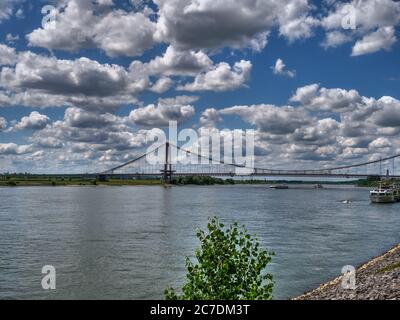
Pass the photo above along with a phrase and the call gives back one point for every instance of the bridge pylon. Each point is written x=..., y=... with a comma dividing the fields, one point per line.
x=167, y=172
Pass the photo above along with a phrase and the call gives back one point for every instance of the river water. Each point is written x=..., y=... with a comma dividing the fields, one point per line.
x=131, y=242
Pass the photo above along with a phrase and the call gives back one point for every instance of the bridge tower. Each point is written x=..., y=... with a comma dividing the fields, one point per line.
x=167, y=172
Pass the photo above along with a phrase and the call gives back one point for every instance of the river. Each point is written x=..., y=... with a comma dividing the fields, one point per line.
x=131, y=242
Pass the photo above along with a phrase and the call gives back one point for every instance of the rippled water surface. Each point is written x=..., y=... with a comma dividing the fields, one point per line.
x=131, y=242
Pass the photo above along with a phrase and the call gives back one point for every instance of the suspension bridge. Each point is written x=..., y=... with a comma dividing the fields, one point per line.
x=180, y=162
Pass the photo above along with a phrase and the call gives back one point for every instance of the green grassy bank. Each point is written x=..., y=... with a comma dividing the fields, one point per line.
x=52, y=180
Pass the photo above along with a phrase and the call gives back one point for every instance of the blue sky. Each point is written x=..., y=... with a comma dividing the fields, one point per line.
x=87, y=92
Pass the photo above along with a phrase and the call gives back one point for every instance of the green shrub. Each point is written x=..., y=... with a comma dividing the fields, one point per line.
x=201, y=181
x=230, y=266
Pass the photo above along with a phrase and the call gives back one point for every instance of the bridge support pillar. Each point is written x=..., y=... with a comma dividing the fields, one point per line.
x=167, y=172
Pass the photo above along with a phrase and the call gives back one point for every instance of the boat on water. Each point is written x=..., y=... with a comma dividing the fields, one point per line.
x=280, y=187
x=385, y=194
x=318, y=186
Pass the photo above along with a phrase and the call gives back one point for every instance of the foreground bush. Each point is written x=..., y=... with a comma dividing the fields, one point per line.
x=230, y=266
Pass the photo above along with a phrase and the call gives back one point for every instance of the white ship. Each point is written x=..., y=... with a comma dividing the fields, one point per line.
x=385, y=194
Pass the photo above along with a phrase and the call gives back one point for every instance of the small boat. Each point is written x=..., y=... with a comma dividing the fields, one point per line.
x=318, y=186
x=280, y=187
x=384, y=194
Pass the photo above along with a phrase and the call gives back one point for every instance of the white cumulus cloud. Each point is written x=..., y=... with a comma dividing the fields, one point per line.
x=222, y=77
x=280, y=69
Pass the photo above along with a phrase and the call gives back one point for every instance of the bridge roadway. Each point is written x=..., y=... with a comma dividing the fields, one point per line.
x=348, y=176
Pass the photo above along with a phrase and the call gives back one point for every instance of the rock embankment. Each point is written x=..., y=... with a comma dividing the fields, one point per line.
x=378, y=279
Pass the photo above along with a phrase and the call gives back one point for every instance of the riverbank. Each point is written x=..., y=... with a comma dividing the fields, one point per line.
x=55, y=181
x=379, y=279
x=59, y=180
x=77, y=182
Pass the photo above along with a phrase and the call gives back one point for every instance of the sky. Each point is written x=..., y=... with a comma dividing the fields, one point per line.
x=83, y=84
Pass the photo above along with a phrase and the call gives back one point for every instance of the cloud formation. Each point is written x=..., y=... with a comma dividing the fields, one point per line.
x=3, y=124
x=221, y=77
x=186, y=24
x=81, y=24
x=8, y=55
x=158, y=116
x=14, y=149
x=374, y=30
x=280, y=69
x=327, y=125
x=35, y=121
x=38, y=80
x=191, y=24
x=382, y=39
x=7, y=7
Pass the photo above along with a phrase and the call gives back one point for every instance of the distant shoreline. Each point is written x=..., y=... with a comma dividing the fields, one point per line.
x=200, y=181
x=27, y=180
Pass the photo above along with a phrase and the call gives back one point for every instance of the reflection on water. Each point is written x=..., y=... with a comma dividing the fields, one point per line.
x=130, y=242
